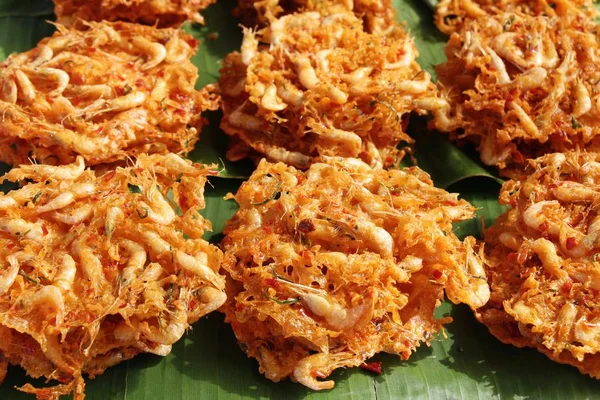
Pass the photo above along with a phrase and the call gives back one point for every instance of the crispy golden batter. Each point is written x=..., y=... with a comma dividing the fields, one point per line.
x=543, y=263
x=331, y=266
x=322, y=86
x=379, y=16
x=161, y=12
x=106, y=93
x=98, y=269
x=520, y=86
x=451, y=15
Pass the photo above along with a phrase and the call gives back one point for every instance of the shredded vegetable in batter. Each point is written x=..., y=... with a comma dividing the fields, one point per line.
x=99, y=269
x=160, y=12
x=379, y=16
x=519, y=86
x=451, y=15
x=322, y=87
x=331, y=266
x=543, y=261
x=108, y=92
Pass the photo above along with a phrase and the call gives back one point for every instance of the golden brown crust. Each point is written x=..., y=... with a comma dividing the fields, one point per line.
x=378, y=16
x=520, y=86
x=112, y=91
x=99, y=269
x=162, y=13
x=331, y=266
x=322, y=87
x=542, y=263
x=451, y=15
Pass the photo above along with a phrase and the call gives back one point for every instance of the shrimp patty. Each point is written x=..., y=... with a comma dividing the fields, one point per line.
x=322, y=86
x=108, y=92
x=543, y=264
x=99, y=269
x=160, y=12
x=331, y=266
x=521, y=86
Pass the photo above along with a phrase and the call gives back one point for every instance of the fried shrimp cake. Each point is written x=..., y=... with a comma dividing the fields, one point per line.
x=520, y=86
x=107, y=93
x=379, y=17
x=160, y=12
x=451, y=15
x=331, y=266
x=543, y=261
x=322, y=87
x=99, y=269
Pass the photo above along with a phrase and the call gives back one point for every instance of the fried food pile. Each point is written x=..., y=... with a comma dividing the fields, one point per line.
x=520, y=86
x=321, y=87
x=331, y=266
x=160, y=12
x=451, y=15
x=99, y=269
x=109, y=92
x=542, y=258
x=379, y=16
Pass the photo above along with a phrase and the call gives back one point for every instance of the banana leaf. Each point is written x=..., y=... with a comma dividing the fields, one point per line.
x=463, y=363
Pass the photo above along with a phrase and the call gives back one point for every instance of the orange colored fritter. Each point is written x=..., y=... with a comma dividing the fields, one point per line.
x=451, y=15
x=107, y=93
x=543, y=265
x=321, y=86
x=99, y=269
x=331, y=266
x=160, y=12
x=520, y=86
x=378, y=16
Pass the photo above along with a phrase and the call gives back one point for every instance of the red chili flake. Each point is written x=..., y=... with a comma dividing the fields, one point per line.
x=306, y=257
x=180, y=111
x=44, y=230
x=193, y=304
x=451, y=202
x=405, y=355
x=119, y=91
x=183, y=201
x=544, y=226
x=140, y=83
x=213, y=172
x=161, y=73
x=92, y=49
x=571, y=243
x=566, y=287
x=193, y=42
x=76, y=79
x=373, y=366
x=437, y=274
x=518, y=157
x=123, y=305
x=11, y=246
x=511, y=257
x=272, y=282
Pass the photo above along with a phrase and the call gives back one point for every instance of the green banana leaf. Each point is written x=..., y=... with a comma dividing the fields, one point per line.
x=464, y=363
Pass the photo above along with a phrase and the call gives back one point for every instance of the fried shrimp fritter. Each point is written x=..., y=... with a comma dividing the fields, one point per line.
x=379, y=16
x=322, y=87
x=99, y=269
x=161, y=12
x=331, y=266
x=107, y=93
x=451, y=15
x=520, y=86
x=543, y=261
